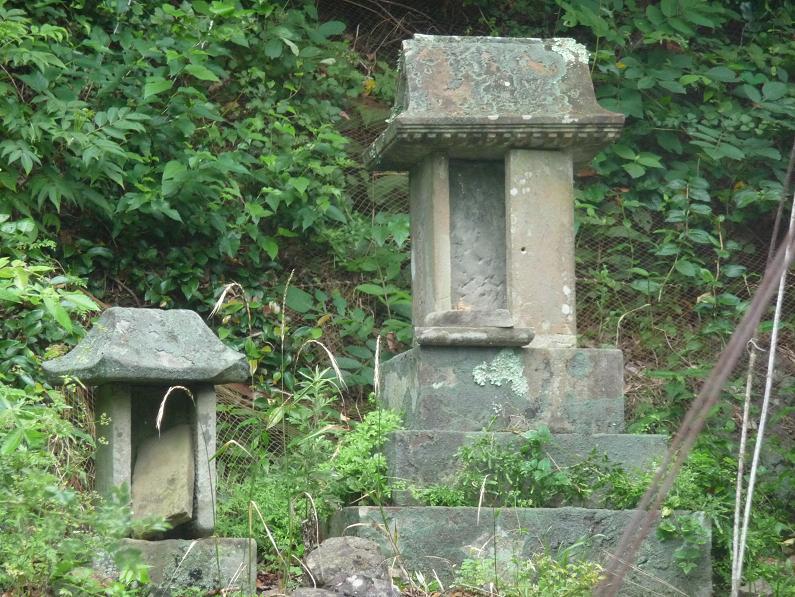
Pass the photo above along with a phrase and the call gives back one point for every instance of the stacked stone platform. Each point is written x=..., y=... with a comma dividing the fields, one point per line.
x=490, y=131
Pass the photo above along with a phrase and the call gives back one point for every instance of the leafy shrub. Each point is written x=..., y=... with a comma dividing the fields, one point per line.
x=51, y=531
x=540, y=574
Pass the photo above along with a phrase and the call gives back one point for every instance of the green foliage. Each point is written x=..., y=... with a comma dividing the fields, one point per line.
x=281, y=498
x=494, y=474
x=692, y=535
x=540, y=574
x=51, y=532
x=36, y=304
x=178, y=146
x=359, y=467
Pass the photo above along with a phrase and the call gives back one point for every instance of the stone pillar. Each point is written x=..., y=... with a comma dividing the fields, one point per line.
x=540, y=229
x=204, y=445
x=113, y=418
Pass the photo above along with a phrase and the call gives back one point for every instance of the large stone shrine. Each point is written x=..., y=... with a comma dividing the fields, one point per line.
x=490, y=130
x=155, y=413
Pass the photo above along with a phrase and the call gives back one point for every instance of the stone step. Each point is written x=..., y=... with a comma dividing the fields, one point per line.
x=429, y=457
x=435, y=540
x=571, y=390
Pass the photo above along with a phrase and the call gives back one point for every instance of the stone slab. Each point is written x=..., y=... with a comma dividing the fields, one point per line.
x=540, y=223
x=477, y=235
x=114, y=425
x=149, y=346
x=506, y=389
x=429, y=457
x=212, y=564
x=469, y=95
x=435, y=539
x=205, y=434
x=472, y=336
x=163, y=477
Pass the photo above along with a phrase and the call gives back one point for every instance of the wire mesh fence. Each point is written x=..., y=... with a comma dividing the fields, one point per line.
x=610, y=311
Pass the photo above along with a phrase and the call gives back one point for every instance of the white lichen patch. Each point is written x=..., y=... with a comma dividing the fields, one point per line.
x=493, y=116
x=571, y=50
x=506, y=368
x=514, y=192
x=565, y=309
x=566, y=290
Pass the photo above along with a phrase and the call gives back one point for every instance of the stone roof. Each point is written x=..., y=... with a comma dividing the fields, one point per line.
x=476, y=97
x=150, y=346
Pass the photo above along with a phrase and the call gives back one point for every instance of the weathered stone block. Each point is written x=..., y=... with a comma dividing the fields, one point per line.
x=211, y=564
x=149, y=346
x=204, y=429
x=478, y=96
x=162, y=484
x=113, y=411
x=429, y=457
x=434, y=539
x=474, y=388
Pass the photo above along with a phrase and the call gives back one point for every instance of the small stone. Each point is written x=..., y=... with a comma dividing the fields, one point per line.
x=358, y=585
x=337, y=558
x=310, y=592
x=756, y=588
x=162, y=482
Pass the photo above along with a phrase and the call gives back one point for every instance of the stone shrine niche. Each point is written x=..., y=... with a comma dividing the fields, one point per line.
x=135, y=358
x=490, y=130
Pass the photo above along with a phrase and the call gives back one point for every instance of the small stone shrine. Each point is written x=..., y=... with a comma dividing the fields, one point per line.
x=154, y=373
x=490, y=131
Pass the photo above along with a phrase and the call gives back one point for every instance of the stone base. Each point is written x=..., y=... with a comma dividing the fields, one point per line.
x=210, y=564
x=435, y=539
x=507, y=389
x=429, y=457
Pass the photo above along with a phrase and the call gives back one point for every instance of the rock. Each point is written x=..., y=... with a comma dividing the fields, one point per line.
x=310, y=592
x=337, y=558
x=178, y=564
x=358, y=585
x=162, y=481
x=756, y=588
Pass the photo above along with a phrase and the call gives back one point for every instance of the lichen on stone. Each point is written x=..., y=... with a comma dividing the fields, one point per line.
x=506, y=368
x=571, y=50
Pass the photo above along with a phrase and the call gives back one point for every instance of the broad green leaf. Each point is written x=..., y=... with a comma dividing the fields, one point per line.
x=372, y=289
x=649, y=160
x=80, y=300
x=299, y=300
x=621, y=151
x=331, y=28
x=722, y=74
x=686, y=268
x=189, y=288
x=53, y=305
x=173, y=174
x=269, y=245
x=752, y=93
x=672, y=86
x=155, y=85
x=299, y=184
x=291, y=45
x=12, y=441
x=273, y=49
x=201, y=72
x=701, y=236
x=634, y=170
x=733, y=270
x=773, y=90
